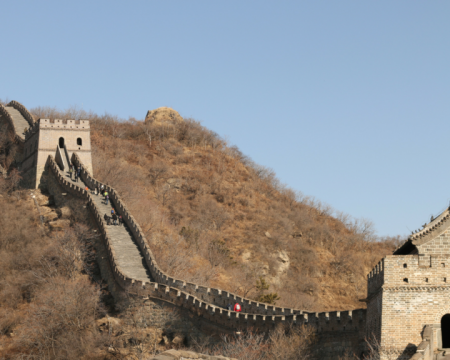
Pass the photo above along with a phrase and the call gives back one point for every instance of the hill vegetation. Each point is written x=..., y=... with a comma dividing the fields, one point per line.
x=214, y=217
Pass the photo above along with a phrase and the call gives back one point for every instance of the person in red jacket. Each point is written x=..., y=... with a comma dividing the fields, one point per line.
x=237, y=307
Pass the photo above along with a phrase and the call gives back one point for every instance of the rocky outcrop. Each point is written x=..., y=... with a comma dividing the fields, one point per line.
x=163, y=115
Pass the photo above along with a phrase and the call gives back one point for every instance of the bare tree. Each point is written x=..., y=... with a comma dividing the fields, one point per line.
x=157, y=172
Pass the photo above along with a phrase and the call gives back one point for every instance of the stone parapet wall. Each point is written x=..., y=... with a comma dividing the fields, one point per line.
x=197, y=298
x=65, y=124
x=375, y=279
x=219, y=297
x=32, y=130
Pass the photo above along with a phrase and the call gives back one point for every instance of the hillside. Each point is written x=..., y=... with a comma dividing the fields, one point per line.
x=214, y=217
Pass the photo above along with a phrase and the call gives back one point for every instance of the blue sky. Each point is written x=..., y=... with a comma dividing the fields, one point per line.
x=348, y=101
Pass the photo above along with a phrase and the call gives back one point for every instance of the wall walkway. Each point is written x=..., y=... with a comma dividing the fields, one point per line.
x=137, y=272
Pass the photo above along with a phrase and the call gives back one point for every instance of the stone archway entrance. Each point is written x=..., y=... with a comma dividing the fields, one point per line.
x=445, y=330
x=61, y=142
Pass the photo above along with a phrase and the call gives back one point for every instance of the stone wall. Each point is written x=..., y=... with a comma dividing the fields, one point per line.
x=438, y=246
x=206, y=303
x=4, y=114
x=413, y=292
x=23, y=111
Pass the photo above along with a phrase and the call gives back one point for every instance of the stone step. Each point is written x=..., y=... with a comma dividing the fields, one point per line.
x=20, y=123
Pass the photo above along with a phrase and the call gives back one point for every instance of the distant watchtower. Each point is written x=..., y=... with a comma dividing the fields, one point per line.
x=37, y=140
x=59, y=138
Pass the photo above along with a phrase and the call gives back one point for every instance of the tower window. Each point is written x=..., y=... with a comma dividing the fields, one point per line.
x=405, y=280
x=61, y=142
x=79, y=142
x=405, y=265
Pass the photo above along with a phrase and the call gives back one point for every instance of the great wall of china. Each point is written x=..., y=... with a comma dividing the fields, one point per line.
x=409, y=287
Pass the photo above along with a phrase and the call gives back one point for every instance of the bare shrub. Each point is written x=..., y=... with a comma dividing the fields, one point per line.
x=158, y=171
x=292, y=343
x=58, y=319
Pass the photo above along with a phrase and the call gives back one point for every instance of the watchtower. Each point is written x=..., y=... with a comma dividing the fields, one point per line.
x=36, y=140
x=59, y=138
x=409, y=292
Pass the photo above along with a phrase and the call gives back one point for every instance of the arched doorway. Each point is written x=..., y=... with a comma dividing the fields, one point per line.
x=445, y=330
x=61, y=142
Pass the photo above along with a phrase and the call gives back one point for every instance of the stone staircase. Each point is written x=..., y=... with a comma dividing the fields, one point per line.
x=128, y=254
x=19, y=122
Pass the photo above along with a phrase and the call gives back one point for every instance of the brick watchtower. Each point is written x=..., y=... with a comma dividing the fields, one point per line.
x=408, y=303
x=59, y=138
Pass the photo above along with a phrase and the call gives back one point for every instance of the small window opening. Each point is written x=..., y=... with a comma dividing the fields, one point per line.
x=426, y=279
x=405, y=265
x=61, y=142
x=405, y=280
x=443, y=265
x=445, y=279
x=79, y=142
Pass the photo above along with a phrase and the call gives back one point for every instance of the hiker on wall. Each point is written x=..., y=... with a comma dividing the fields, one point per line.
x=237, y=307
x=106, y=198
x=70, y=171
x=114, y=217
x=79, y=171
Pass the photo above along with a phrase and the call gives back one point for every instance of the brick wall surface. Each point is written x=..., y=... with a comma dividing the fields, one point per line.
x=440, y=245
x=412, y=294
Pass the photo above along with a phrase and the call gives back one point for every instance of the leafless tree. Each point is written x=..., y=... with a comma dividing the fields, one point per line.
x=157, y=172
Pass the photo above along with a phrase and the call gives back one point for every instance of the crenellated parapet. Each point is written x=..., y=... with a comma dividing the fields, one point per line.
x=64, y=124
x=208, y=303
x=375, y=279
x=33, y=129
x=217, y=296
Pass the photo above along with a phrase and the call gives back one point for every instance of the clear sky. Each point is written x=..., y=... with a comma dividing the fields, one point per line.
x=348, y=101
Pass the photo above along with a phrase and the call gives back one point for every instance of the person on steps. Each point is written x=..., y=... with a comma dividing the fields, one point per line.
x=106, y=197
x=76, y=176
x=106, y=217
x=237, y=307
x=79, y=171
x=114, y=217
x=70, y=171
x=120, y=220
x=229, y=307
